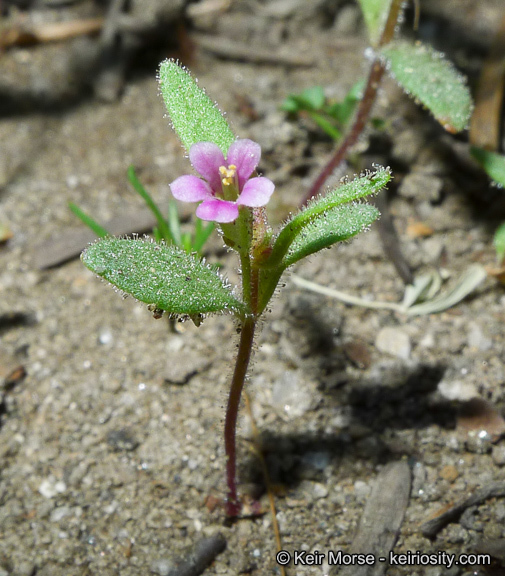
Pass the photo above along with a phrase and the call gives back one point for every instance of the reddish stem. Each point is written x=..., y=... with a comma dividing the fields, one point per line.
x=354, y=133
x=365, y=105
x=233, y=505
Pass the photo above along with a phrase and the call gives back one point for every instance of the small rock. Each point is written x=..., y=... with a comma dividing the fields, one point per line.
x=476, y=338
x=162, y=566
x=121, y=440
x=428, y=341
x=478, y=442
x=393, y=341
x=290, y=394
x=498, y=455
x=105, y=337
x=58, y=513
x=362, y=490
x=49, y=488
x=419, y=475
x=457, y=390
x=449, y=473
x=314, y=490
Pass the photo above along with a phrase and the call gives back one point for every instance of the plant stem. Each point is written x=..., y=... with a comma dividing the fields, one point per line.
x=365, y=105
x=233, y=506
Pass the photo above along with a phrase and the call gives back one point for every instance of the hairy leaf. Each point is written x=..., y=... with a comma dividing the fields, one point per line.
x=492, y=163
x=426, y=76
x=376, y=14
x=195, y=118
x=162, y=275
x=318, y=207
x=335, y=225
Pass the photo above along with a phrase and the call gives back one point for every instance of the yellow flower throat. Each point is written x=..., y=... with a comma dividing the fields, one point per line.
x=228, y=174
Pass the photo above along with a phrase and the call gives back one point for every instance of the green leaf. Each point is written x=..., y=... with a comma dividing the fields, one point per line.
x=492, y=163
x=290, y=105
x=313, y=98
x=195, y=118
x=174, y=222
x=162, y=275
x=426, y=76
x=325, y=125
x=376, y=14
x=202, y=234
x=100, y=231
x=336, y=225
x=317, y=208
x=163, y=229
x=499, y=243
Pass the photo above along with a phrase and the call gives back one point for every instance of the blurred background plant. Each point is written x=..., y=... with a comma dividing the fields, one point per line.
x=168, y=230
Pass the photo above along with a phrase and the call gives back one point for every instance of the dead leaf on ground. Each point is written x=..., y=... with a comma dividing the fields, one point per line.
x=28, y=35
x=418, y=230
x=5, y=233
x=479, y=414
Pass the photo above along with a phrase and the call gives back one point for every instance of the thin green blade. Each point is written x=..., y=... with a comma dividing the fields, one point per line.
x=195, y=117
x=90, y=222
x=426, y=76
x=162, y=275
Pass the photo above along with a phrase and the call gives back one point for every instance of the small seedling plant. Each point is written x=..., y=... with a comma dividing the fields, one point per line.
x=423, y=73
x=229, y=192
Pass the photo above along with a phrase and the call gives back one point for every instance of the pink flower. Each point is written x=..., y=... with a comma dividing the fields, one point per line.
x=226, y=184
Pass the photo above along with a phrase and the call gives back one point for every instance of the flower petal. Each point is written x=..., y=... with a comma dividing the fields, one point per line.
x=217, y=210
x=190, y=189
x=256, y=192
x=206, y=158
x=245, y=155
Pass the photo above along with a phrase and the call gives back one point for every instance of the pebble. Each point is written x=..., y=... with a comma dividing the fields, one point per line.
x=457, y=390
x=362, y=490
x=478, y=442
x=105, y=337
x=419, y=476
x=476, y=338
x=314, y=490
x=162, y=566
x=393, y=341
x=449, y=473
x=290, y=394
x=49, y=488
x=58, y=513
x=498, y=455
